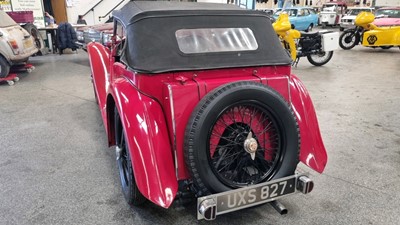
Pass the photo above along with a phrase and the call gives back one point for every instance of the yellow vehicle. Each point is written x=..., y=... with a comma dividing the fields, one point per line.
x=369, y=35
x=317, y=47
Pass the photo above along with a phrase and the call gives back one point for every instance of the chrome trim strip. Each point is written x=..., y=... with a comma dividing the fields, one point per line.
x=288, y=82
x=171, y=105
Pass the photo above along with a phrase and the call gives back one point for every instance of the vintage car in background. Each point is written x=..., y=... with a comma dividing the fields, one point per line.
x=301, y=18
x=200, y=101
x=387, y=16
x=332, y=13
x=99, y=33
x=347, y=20
x=16, y=44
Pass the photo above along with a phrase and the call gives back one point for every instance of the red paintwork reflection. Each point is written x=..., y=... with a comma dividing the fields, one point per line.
x=312, y=150
x=148, y=141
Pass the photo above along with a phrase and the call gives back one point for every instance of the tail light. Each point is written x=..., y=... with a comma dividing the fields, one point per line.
x=14, y=46
x=13, y=43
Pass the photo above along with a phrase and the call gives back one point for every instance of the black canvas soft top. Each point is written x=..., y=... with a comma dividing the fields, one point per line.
x=151, y=45
x=136, y=10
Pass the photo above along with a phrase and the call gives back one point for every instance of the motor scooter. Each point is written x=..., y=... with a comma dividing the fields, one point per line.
x=369, y=35
x=317, y=47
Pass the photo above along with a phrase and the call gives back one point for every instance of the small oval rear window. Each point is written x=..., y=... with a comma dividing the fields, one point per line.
x=208, y=40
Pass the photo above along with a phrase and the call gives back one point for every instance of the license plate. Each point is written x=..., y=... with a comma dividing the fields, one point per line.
x=28, y=43
x=250, y=196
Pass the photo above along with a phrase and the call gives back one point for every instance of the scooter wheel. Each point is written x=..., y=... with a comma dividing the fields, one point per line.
x=16, y=79
x=320, y=58
x=10, y=82
x=348, y=39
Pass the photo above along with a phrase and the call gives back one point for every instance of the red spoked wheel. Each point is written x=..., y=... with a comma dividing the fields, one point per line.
x=241, y=134
x=244, y=145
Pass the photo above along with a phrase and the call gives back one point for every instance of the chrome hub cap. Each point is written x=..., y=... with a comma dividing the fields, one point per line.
x=250, y=145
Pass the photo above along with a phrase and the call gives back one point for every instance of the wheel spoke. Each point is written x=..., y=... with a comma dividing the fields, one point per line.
x=224, y=156
x=265, y=129
x=232, y=144
x=251, y=117
x=229, y=140
x=226, y=125
x=230, y=163
x=229, y=158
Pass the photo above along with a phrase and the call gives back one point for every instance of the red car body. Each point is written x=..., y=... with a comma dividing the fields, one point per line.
x=155, y=108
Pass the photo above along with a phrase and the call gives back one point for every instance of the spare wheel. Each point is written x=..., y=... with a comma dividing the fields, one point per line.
x=240, y=134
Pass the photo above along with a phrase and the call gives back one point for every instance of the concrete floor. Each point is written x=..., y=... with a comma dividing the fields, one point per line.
x=56, y=168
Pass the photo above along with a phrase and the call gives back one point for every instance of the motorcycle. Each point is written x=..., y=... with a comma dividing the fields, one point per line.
x=369, y=35
x=317, y=47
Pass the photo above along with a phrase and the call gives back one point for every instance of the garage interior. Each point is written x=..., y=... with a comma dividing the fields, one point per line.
x=56, y=168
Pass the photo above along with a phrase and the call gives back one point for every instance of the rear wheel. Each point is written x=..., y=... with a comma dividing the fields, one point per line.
x=320, y=58
x=4, y=67
x=348, y=39
x=386, y=47
x=129, y=188
x=32, y=30
x=241, y=134
x=309, y=28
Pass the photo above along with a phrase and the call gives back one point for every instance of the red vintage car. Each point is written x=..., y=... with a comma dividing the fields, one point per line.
x=200, y=101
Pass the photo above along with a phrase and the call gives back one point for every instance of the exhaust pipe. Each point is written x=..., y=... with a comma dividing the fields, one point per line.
x=279, y=207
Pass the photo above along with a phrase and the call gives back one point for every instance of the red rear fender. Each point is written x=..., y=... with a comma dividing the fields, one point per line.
x=312, y=152
x=149, y=143
x=99, y=57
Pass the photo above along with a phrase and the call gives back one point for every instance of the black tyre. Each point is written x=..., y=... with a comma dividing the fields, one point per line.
x=348, y=39
x=320, y=58
x=386, y=47
x=129, y=188
x=32, y=30
x=309, y=28
x=341, y=29
x=324, y=25
x=240, y=134
x=4, y=67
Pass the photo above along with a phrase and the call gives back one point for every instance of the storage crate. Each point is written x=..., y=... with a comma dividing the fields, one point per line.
x=330, y=41
x=22, y=16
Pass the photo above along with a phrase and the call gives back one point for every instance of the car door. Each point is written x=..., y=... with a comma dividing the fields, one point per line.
x=301, y=20
x=293, y=18
x=310, y=18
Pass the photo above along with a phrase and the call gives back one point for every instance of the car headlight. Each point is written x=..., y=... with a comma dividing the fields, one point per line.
x=79, y=35
x=106, y=39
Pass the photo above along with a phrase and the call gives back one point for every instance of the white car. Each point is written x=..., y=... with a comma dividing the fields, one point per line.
x=16, y=44
x=347, y=21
